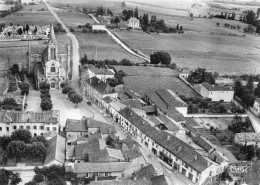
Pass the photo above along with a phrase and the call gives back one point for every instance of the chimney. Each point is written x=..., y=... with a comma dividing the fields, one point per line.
x=168, y=137
x=208, y=163
x=195, y=157
x=118, y=138
x=135, y=178
x=223, y=154
x=28, y=119
x=179, y=149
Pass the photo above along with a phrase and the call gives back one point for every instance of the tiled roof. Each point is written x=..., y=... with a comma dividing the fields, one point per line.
x=132, y=94
x=107, y=99
x=38, y=70
x=149, y=109
x=102, y=71
x=166, y=100
x=132, y=153
x=50, y=134
x=132, y=103
x=217, y=157
x=192, y=122
x=117, y=154
x=186, y=71
x=104, y=127
x=215, y=88
x=155, y=120
x=130, y=143
x=203, y=143
x=178, y=117
x=171, y=143
x=257, y=100
x=100, y=167
x=76, y=125
x=168, y=123
x=100, y=86
x=148, y=172
x=159, y=180
x=122, y=182
x=117, y=105
x=30, y=117
x=37, y=48
x=55, y=150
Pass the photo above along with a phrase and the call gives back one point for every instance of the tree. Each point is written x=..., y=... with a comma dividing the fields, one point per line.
x=24, y=92
x=22, y=135
x=20, y=31
x=117, y=20
x=35, y=30
x=181, y=28
x=125, y=62
x=67, y=89
x=160, y=57
x=46, y=104
x=15, y=178
x=153, y=19
x=177, y=27
x=40, y=139
x=27, y=27
x=44, y=85
x=7, y=176
x=250, y=16
x=72, y=92
x=146, y=20
x=4, y=177
x=15, y=69
x=216, y=74
x=123, y=4
x=4, y=141
x=250, y=84
x=136, y=13
x=15, y=150
x=38, y=178
x=8, y=104
x=64, y=84
x=200, y=75
x=45, y=95
x=113, y=82
x=76, y=99
x=238, y=87
x=217, y=24
x=257, y=90
x=248, y=99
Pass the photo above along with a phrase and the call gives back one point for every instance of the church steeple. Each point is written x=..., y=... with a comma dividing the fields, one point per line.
x=52, y=39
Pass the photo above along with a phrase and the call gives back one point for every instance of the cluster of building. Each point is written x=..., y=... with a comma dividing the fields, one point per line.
x=157, y=121
x=93, y=151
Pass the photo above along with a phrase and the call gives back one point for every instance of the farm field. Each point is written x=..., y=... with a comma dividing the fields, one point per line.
x=73, y=18
x=224, y=54
x=30, y=14
x=104, y=45
x=143, y=79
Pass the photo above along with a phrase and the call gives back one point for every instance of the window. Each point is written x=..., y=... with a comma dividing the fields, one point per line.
x=53, y=53
x=106, y=174
x=35, y=127
x=0, y=128
x=42, y=127
x=48, y=128
x=186, y=165
x=7, y=129
x=14, y=127
x=54, y=129
x=41, y=134
x=35, y=135
x=21, y=127
x=86, y=174
x=53, y=69
x=28, y=127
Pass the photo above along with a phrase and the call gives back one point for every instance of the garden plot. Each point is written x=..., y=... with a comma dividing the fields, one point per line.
x=143, y=79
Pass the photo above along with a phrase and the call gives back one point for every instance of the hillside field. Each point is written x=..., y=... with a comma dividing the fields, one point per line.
x=143, y=79
x=30, y=14
x=104, y=46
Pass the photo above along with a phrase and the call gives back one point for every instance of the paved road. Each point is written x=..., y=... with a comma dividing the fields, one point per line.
x=123, y=45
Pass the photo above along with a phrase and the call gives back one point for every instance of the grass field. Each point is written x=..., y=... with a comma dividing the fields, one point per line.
x=104, y=45
x=225, y=54
x=73, y=18
x=143, y=79
x=30, y=14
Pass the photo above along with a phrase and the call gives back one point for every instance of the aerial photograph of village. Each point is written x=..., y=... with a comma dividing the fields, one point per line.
x=130, y=92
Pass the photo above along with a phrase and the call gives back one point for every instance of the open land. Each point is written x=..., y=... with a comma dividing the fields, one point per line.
x=104, y=45
x=225, y=54
x=30, y=14
x=143, y=79
x=73, y=18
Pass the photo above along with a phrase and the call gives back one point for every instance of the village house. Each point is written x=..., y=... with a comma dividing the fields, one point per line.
x=36, y=123
x=95, y=90
x=185, y=73
x=216, y=93
x=86, y=127
x=249, y=138
x=98, y=27
x=100, y=73
x=55, y=153
x=256, y=106
x=166, y=102
x=133, y=23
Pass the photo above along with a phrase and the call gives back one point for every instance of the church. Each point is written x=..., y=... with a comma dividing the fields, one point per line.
x=49, y=62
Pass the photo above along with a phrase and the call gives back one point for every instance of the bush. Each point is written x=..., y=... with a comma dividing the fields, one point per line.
x=44, y=85
x=160, y=57
x=64, y=84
